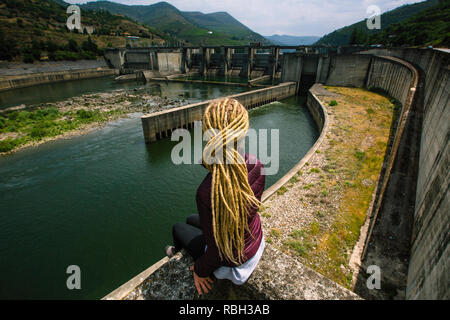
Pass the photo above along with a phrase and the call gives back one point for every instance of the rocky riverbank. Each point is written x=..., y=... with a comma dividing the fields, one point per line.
x=23, y=126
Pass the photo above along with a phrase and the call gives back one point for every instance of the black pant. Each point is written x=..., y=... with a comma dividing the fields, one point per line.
x=189, y=236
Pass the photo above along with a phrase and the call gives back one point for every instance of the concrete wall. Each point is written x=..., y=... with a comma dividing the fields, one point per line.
x=336, y=70
x=348, y=70
x=161, y=124
x=27, y=80
x=204, y=60
x=169, y=62
x=390, y=76
x=128, y=60
x=292, y=67
x=429, y=266
x=115, y=57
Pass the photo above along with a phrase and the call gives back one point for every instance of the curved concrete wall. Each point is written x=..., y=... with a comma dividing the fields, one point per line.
x=348, y=70
x=429, y=266
x=319, y=115
x=161, y=124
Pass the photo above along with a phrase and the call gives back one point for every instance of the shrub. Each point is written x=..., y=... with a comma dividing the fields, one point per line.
x=296, y=246
x=50, y=113
x=370, y=111
x=23, y=115
x=72, y=45
x=51, y=46
x=85, y=114
x=360, y=155
x=2, y=122
x=281, y=191
x=6, y=145
x=28, y=58
x=275, y=233
x=8, y=47
x=38, y=132
x=297, y=234
x=13, y=115
x=333, y=103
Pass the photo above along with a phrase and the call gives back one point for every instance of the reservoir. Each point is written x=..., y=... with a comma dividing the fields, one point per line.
x=106, y=201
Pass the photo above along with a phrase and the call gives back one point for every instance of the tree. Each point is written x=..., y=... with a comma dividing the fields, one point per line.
x=89, y=46
x=358, y=37
x=72, y=45
x=8, y=48
x=353, y=36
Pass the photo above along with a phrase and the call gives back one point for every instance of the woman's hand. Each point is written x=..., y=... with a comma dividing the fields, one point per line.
x=202, y=284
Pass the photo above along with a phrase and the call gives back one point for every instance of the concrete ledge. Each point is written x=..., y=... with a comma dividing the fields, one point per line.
x=27, y=80
x=277, y=276
x=160, y=125
x=319, y=114
x=236, y=84
x=263, y=78
x=406, y=96
x=131, y=285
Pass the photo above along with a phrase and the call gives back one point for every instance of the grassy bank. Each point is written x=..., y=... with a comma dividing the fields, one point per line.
x=27, y=127
x=317, y=217
x=36, y=124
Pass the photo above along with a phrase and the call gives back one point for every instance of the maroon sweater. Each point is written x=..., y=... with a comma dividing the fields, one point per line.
x=210, y=261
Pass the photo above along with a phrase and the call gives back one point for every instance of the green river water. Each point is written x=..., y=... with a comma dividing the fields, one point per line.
x=106, y=201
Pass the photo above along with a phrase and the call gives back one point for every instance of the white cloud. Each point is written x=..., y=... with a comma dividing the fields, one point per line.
x=294, y=17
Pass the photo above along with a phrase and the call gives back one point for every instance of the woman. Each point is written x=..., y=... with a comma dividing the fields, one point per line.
x=225, y=238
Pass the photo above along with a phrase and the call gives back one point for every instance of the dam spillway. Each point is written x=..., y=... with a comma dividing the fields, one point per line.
x=100, y=200
x=160, y=125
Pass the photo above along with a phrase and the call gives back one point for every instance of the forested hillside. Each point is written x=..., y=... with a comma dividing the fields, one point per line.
x=36, y=30
x=359, y=33
x=195, y=28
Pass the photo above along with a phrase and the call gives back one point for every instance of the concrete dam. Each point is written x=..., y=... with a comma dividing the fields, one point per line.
x=241, y=61
x=411, y=198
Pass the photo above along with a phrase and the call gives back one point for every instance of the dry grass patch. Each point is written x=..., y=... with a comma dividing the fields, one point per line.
x=319, y=217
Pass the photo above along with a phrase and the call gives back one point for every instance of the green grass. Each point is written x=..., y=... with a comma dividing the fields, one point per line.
x=266, y=215
x=308, y=186
x=326, y=244
x=297, y=234
x=25, y=127
x=275, y=233
x=297, y=246
x=282, y=190
x=294, y=179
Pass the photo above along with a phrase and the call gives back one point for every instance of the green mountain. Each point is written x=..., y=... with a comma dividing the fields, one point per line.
x=285, y=40
x=429, y=27
x=191, y=27
x=36, y=29
x=358, y=32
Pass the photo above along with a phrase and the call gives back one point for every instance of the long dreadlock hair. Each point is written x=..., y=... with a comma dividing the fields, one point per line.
x=226, y=121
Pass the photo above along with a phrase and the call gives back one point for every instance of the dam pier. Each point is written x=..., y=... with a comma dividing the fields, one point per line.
x=248, y=62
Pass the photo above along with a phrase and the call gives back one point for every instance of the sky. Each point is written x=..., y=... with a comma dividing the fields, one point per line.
x=290, y=17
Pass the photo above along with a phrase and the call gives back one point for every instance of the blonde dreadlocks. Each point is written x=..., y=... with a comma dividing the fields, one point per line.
x=231, y=194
